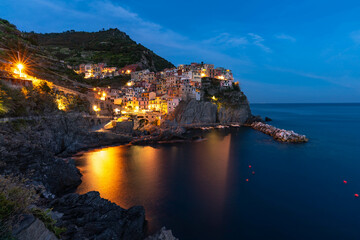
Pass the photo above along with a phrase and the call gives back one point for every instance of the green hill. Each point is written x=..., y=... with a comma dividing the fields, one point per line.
x=48, y=55
x=110, y=46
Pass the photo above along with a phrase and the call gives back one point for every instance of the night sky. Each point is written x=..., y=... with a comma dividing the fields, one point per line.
x=279, y=51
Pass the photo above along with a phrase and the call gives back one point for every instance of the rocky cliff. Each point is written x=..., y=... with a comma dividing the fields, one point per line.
x=190, y=112
x=227, y=107
x=233, y=106
x=89, y=216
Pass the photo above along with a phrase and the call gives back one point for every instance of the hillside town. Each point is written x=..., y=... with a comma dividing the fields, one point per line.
x=101, y=70
x=153, y=94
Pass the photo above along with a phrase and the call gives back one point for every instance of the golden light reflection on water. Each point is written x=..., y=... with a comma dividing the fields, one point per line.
x=102, y=171
x=148, y=176
x=126, y=175
x=211, y=171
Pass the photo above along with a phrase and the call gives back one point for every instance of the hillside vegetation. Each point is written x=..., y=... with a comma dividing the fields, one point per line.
x=47, y=56
x=110, y=46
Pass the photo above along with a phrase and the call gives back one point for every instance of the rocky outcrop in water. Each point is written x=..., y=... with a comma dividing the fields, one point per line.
x=89, y=216
x=280, y=135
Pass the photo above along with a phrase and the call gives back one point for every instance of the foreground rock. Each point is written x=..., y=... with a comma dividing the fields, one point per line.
x=280, y=135
x=30, y=228
x=31, y=148
x=89, y=216
x=163, y=234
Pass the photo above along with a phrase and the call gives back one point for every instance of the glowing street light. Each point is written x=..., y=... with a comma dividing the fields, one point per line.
x=20, y=67
x=96, y=109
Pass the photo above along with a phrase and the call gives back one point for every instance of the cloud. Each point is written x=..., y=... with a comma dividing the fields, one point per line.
x=258, y=41
x=285, y=37
x=228, y=40
x=92, y=15
x=58, y=7
x=153, y=34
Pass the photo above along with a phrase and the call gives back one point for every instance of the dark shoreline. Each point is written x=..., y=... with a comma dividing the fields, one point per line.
x=48, y=147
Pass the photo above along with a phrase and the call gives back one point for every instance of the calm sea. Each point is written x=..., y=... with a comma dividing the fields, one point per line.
x=200, y=191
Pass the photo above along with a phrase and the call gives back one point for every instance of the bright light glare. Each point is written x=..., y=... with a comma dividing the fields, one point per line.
x=20, y=66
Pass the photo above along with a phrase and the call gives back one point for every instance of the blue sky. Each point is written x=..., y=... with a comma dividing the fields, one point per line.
x=279, y=51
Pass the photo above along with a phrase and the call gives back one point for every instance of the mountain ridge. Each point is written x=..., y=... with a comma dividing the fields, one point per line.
x=111, y=46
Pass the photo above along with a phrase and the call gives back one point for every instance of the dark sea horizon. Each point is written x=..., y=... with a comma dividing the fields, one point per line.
x=240, y=183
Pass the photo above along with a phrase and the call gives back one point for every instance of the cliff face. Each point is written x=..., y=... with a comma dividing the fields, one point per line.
x=231, y=106
x=239, y=114
x=189, y=112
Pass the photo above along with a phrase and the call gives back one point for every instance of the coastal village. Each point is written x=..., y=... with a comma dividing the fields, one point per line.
x=52, y=109
x=150, y=95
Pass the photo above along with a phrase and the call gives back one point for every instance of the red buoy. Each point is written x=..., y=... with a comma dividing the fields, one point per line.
x=345, y=181
x=247, y=179
x=249, y=166
x=253, y=172
x=356, y=195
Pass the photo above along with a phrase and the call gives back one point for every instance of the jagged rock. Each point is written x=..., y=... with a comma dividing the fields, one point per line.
x=267, y=119
x=30, y=228
x=163, y=234
x=89, y=216
x=253, y=119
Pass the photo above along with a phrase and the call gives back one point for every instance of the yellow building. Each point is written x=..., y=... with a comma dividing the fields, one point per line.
x=133, y=105
x=155, y=104
x=164, y=107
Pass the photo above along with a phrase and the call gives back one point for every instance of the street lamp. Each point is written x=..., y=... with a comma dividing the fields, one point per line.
x=20, y=67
